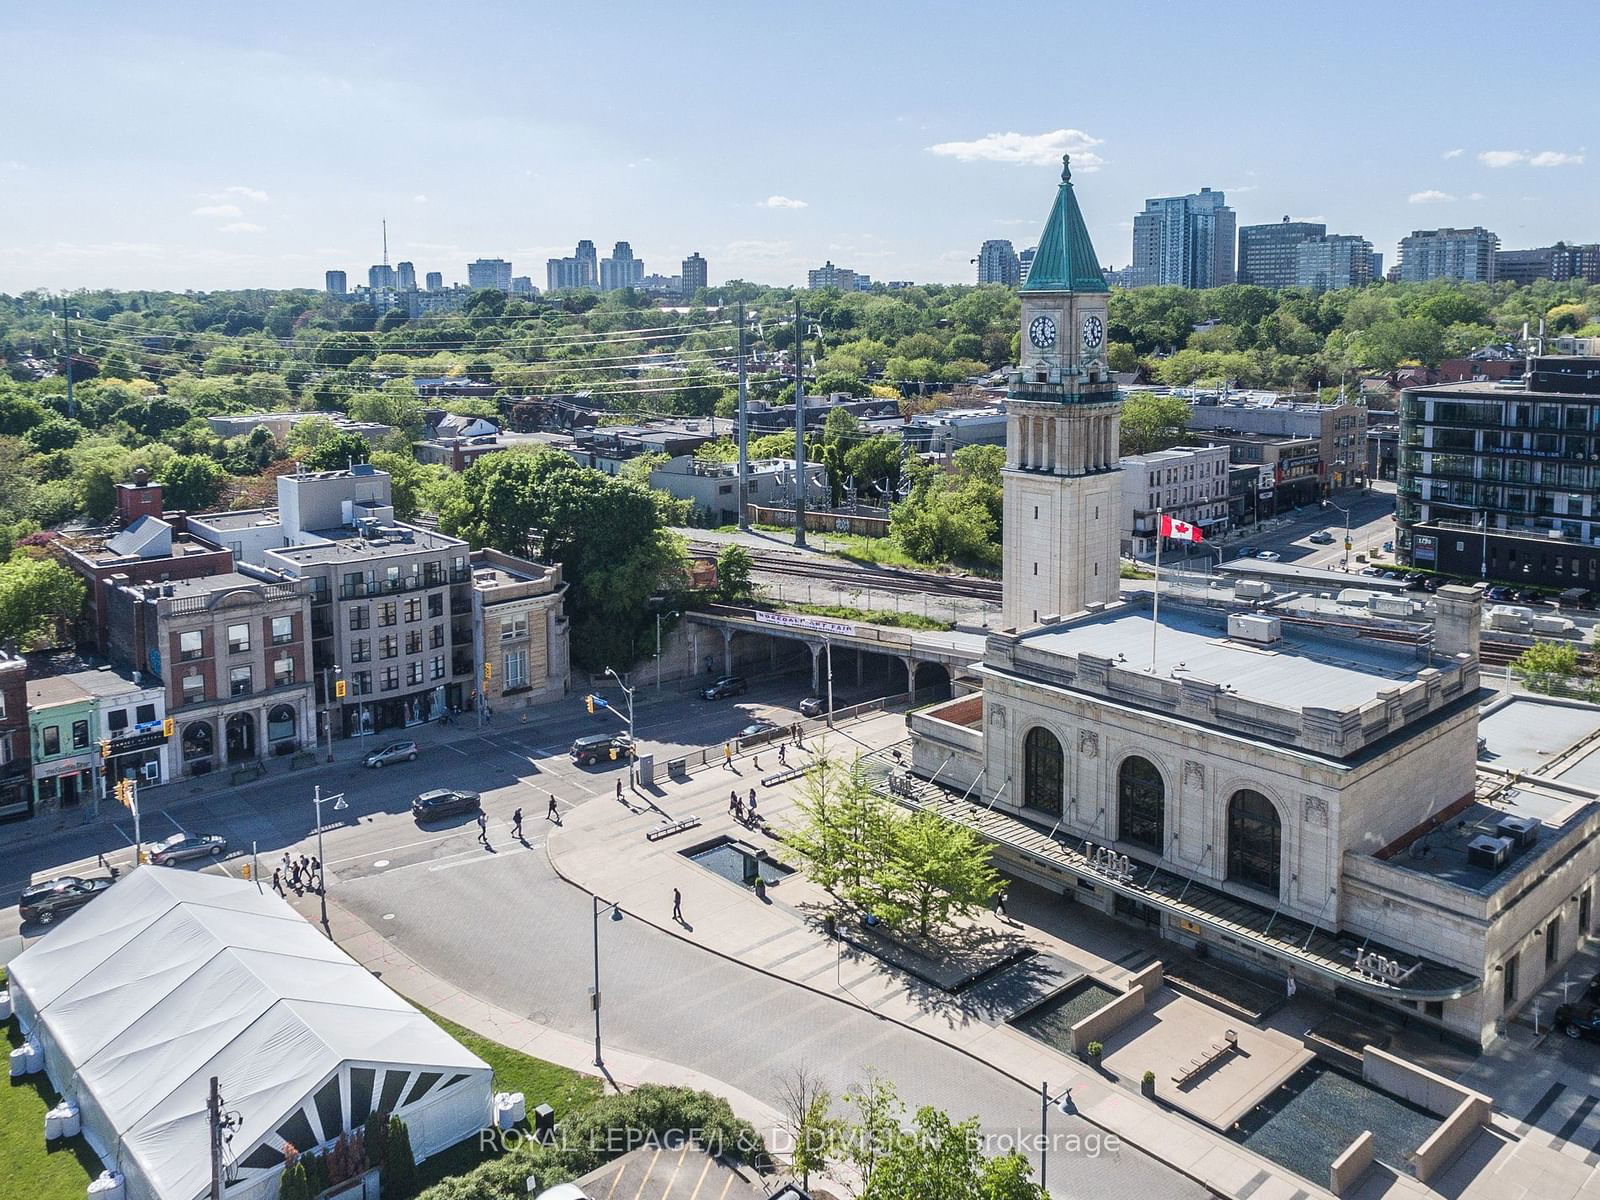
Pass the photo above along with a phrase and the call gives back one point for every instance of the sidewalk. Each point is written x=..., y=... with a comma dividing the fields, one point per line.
x=602, y=850
x=622, y=1072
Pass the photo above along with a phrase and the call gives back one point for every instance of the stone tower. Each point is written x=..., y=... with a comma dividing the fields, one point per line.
x=1063, y=489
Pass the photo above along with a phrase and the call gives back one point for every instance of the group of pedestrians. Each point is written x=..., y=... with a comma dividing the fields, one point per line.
x=743, y=813
x=301, y=875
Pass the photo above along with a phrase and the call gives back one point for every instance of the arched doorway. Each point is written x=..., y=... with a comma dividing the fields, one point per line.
x=1255, y=841
x=1141, y=804
x=1041, y=771
x=281, y=728
x=199, y=742
x=241, y=734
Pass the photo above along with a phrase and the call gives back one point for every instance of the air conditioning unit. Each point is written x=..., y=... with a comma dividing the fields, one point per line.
x=1254, y=627
x=1490, y=853
x=1521, y=832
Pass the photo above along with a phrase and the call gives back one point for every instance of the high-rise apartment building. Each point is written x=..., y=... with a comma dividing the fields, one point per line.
x=489, y=273
x=407, y=276
x=1267, y=252
x=621, y=270
x=336, y=283
x=1331, y=263
x=998, y=263
x=830, y=276
x=1576, y=262
x=694, y=274
x=588, y=264
x=1559, y=261
x=436, y=281
x=381, y=277
x=1377, y=266
x=1024, y=262
x=1184, y=241
x=1466, y=254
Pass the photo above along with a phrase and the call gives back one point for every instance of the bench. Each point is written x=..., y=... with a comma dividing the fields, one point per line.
x=1214, y=1054
x=664, y=831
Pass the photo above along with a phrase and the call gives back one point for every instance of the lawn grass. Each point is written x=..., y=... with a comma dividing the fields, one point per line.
x=31, y=1166
x=541, y=1082
x=873, y=616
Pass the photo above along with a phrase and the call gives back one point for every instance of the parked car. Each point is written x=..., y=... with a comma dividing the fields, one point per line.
x=392, y=753
x=1499, y=595
x=1248, y=551
x=1322, y=538
x=1268, y=555
x=1372, y=572
x=813, y=706
x=757, y=728
x=181, y=847
x=598, y=747
x=1531, y=596
x=42, y=903
x=444, y=802
x=728, y=685
x=1578, y=1020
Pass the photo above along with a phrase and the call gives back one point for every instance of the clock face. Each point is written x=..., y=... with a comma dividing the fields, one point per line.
x=1094, y=332
x=1042, y=332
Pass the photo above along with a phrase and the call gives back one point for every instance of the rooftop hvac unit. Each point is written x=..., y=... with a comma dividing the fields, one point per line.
x=1490, y=853
x=1254, y=627
x=1521, y=832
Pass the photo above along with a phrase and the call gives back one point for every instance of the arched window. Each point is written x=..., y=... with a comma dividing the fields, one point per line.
x=197, y=740
x=280, y=723
x=1141, y=807
x=1041, y=771
x=1255, y=841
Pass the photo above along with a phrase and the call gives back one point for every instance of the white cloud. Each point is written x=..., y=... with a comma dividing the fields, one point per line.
x=218, y=210
x=243, y=227
x=1031, y=149
x=1555, y=158
x=1431, y=196
x=247, y=193
x=1474, y=195
x=1456, y=153
x=780, y=202
x=1502, y=158
x=419, y=198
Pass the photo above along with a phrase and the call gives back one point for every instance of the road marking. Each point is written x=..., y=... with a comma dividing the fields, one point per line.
x=382, y=862
x=477, y=857
x=333, y=862
x=174, y=820
x=457, y=749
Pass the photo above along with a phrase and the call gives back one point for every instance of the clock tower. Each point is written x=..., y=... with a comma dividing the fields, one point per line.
x=1063, y=488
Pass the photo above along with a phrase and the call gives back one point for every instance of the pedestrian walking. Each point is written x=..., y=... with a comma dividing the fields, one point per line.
x=733, y=802
x=727, y=756
x=782, y=761
x=677, y=906
x=1000, y=904
x=314, y=873
x=516, y=824
x=752, y=805
x=619, y=789
x=277, y=882
x=294, y=876
x=483, y=828
x=554, y=812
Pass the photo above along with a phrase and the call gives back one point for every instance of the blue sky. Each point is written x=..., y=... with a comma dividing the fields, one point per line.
x=201, y=146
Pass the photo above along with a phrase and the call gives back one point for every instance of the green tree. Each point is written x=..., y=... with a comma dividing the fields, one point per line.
x=1151, y=422
x=734, y=568
x=336, y=451
x=55, y=433
x=938, y=526
x=399, y=1164
x=37, y=596
x=807, y=1107
x=192, y=482
x=292, y=1184
x=1547, y=666
x=934, y=869
x=411, y=484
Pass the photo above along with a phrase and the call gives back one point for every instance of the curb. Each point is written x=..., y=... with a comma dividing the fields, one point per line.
x=1004, y=1074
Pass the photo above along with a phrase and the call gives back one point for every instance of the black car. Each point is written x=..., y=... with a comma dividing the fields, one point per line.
x=1499, y=595
x=728, y=685
x=444, y=802
x=1578, y=1020
x=601, y=747
x=1592, y=993
x=1530, y=596
x=42, y=903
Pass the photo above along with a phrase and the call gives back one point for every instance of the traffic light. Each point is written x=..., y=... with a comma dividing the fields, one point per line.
x=168, y=727
x=589, y=702
x=488, y=672
x=339, y=689
x=125, y=792
x=105, y=747
x=613, y=754
x=246, y=870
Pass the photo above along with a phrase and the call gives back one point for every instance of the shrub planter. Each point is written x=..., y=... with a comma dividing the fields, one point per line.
x=1147, y=1085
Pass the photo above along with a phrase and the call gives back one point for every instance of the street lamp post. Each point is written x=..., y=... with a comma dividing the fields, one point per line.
x=628, y=692
x=329, y=674
x=1045, y=1101
x=615, y=910
x=318, y=799
x=1483, y=558
x=658, y=648
x=1346, y=512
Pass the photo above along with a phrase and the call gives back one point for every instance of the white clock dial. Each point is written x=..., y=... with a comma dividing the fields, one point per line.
x=1042, y=332
x=1094, y=332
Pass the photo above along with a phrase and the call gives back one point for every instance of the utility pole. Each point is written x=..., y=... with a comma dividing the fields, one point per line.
x=799, y=429
x=743, y=435
x=214, y=1122
x=66, y=327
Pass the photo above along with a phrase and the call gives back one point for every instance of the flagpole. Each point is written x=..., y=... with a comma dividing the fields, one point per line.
x=1155, y=603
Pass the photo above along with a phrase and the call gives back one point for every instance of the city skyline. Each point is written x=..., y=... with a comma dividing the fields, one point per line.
x=260, y=184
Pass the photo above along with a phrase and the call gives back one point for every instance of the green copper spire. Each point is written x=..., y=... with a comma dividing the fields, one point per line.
x=1066, y=260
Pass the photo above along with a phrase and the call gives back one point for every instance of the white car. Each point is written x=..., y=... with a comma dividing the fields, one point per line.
x=1268, y=555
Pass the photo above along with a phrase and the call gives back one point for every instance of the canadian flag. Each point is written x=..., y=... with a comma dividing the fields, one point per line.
x=1179, y=529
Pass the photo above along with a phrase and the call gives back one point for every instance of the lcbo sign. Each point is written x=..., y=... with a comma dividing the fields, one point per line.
x=814, y=624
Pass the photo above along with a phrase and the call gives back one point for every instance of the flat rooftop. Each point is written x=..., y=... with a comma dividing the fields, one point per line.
x=1304, y=667
x=1527, y=733
x=343, y=544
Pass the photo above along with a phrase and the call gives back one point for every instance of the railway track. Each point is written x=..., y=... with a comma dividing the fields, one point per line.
x=864, y=577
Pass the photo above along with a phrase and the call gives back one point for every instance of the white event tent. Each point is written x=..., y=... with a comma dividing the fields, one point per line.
x=172, y=977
